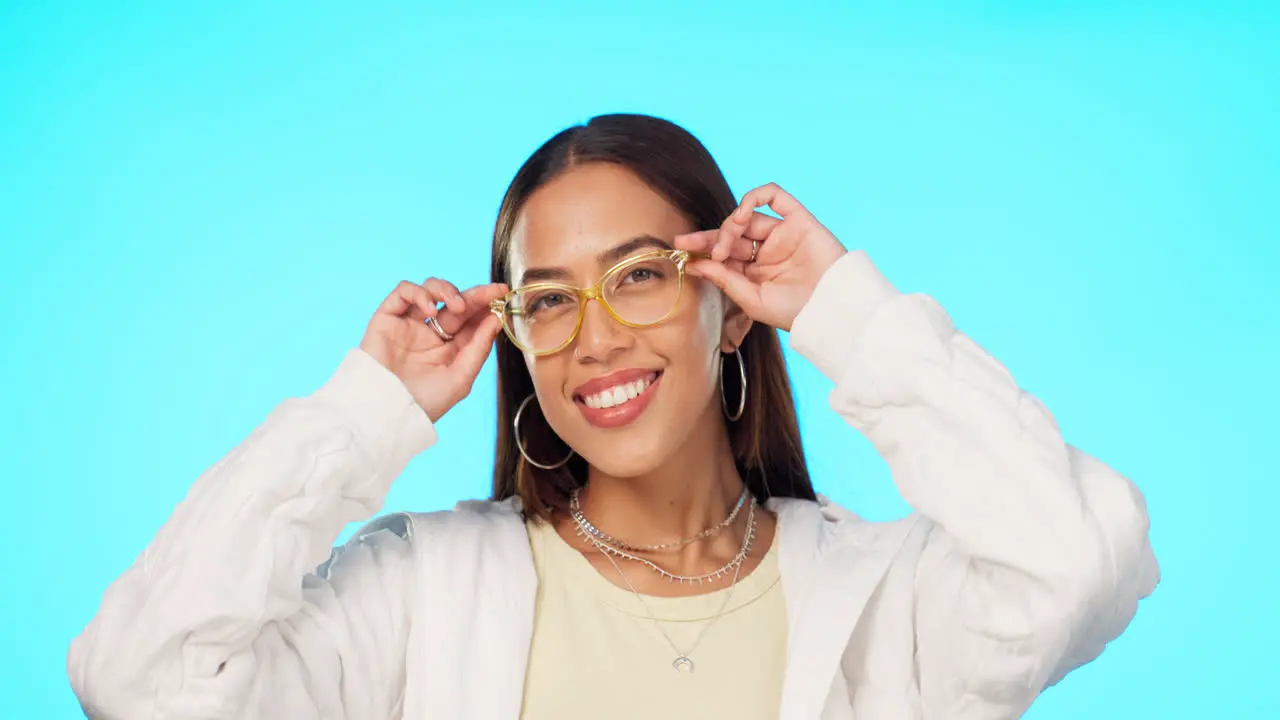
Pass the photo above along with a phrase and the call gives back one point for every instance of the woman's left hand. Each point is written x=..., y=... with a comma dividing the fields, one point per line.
x=791, y=255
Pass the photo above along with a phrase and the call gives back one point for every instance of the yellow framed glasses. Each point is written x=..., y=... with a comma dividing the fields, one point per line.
x=544, y=317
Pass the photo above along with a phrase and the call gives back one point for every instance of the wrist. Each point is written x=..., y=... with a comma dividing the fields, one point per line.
x=379, y=407
x=829, y=326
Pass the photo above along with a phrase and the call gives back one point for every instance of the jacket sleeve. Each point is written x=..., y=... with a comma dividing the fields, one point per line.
x=229, y=612
x=1038, y=553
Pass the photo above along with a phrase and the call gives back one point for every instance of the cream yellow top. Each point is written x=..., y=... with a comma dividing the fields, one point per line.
x=597, y=654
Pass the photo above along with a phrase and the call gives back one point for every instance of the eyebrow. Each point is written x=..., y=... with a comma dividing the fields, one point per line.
x=607, y=258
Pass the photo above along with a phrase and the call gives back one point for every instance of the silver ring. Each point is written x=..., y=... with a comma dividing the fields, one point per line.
x=439, y=331
x=755, y=248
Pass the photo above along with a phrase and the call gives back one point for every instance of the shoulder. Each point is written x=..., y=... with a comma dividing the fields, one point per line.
x=465, y=521
x=828, y=518
x=473, y=530
x=477, y=544
x=827, y=528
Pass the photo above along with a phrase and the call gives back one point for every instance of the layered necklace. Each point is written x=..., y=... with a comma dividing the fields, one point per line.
x=585, y=525
x=609, y=547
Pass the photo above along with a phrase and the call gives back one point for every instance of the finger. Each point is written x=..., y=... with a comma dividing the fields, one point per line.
x=726, y=237
x=464, y=334
x=771, y=196
x=476, y=347
x=482, y=295
x=740, y=238
x=758, y=227
x=477, y=301
x=470, y=326
x=697, y=242
x=744, y=293
x=447, y=293
x=409, y=300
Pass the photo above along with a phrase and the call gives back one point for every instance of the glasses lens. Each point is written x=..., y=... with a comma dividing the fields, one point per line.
x=645, y=291
x=542, y=318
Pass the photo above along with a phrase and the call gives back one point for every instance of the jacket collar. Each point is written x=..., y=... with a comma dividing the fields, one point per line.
x=831, y=562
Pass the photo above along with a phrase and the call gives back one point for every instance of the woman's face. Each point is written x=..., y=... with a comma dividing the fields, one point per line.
x=573, y=230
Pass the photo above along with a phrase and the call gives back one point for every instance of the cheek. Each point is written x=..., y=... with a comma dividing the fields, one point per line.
x=546, y=375
x=693, y=339
x=549, y=375
x=707, y=312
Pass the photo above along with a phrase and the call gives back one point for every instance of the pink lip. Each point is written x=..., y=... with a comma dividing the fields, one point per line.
x=604, y=382
x=618, y=415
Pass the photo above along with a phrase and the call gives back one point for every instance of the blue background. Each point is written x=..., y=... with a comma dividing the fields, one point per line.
x=199, y=209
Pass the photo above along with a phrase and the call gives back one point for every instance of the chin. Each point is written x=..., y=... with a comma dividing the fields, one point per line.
x=625, y=457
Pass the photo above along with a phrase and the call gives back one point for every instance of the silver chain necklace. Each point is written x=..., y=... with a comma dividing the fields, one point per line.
x=575, y=508
x=729, y=567
x=683, y=661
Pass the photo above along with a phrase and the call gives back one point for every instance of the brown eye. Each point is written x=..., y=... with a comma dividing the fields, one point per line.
x=642, y=274
x=547, y=302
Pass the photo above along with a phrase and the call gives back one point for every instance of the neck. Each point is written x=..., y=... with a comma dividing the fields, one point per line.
x=692, y=490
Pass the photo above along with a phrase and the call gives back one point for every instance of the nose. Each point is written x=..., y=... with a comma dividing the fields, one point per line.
x=601, y=338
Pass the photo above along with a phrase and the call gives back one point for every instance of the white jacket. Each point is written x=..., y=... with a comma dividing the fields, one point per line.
x=1023, y=558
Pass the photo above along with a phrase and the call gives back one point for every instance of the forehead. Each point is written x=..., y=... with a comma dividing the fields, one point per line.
x=571, y=220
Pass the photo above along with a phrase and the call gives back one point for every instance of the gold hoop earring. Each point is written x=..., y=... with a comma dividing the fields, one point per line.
x=515, y=426
x=742, y=397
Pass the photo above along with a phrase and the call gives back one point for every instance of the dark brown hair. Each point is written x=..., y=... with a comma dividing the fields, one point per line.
x=765, y=440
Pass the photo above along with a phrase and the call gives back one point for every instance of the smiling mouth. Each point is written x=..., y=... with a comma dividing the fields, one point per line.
x=620, y=394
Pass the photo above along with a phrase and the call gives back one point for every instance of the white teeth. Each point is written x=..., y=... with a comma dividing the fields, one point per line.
x=618, y=395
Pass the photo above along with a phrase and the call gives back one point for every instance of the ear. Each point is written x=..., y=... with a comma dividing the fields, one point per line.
x=735, y=326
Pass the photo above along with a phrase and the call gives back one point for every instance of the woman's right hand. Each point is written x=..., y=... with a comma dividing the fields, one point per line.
x=437, y=374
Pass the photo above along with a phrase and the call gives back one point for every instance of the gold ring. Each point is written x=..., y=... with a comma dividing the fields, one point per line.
x=755, y=248
x=439, y=331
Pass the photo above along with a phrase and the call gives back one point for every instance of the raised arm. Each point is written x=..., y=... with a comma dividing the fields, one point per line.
x=229, y=612
x=1038, y=552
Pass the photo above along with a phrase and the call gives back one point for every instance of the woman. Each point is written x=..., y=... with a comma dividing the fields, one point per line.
x=654, y=547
